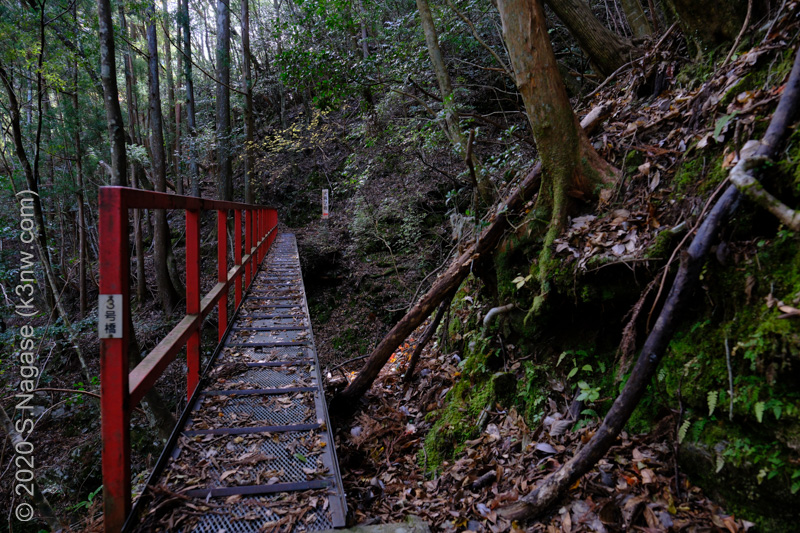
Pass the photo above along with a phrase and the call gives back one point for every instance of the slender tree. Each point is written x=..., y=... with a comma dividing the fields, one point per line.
x=194, y=174
x=224, y=181
x=249, y=122
x=108, y=76
x=166, y=290
x=451, y=116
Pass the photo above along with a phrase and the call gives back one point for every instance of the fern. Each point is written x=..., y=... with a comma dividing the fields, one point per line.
x=682, y=430
x=759, y=409
x=712, y=402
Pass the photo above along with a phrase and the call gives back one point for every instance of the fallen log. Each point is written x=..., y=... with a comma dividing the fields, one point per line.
x=555, y=486
x=447, y=283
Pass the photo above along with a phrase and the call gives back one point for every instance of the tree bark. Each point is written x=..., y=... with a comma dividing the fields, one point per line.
x=709, y=22
x=249, y=121
x=224, y=182
x=637, y=20
x=607, y=50
x=166, y=291
x=571, y=166
x=194, y=174
x=82, y=259
x=556, y=484
x=172, y=132
x=108, y=76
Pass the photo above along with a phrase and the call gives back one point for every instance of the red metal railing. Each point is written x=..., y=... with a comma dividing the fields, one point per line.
x=121, y=390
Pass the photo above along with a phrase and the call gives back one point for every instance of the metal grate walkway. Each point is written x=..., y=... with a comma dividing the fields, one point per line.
x=255, y=452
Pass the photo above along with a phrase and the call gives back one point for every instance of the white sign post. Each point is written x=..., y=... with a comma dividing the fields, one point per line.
x=325, y=204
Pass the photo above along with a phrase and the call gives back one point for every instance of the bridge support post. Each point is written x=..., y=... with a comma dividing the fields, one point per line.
x=193, y=298
x=248, y=245
x=115, y=401
x=237, y=253
x=222, y=269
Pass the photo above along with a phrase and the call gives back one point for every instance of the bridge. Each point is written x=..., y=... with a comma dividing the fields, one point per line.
x=253, y=450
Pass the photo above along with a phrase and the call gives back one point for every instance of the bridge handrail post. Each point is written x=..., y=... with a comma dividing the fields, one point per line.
x=237, y=253
x=115, y=400
x=248, y=245
x=222, y=269
x=193, y=298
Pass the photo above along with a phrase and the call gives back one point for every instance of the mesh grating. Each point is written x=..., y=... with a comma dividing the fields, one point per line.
x=268, y=336
x=268, y=378
x=264, y=355
x=251, y=515
x=253, y=411
x=249, y=459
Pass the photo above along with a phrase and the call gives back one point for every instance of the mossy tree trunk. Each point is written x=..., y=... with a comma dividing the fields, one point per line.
x=607, y=50
x=571, y=167
x=637, y=20
x=709, y=22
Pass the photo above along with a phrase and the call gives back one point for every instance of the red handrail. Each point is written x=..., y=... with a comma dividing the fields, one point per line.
x=120, y=389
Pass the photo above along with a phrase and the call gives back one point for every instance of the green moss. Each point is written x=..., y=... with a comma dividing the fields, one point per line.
x=757, y=450
x=457, y=422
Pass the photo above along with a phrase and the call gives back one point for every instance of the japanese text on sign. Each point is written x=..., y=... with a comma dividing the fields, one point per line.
x=325, y=212
x=110, y=316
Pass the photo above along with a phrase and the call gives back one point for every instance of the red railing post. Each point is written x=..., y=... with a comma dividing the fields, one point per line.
x=115, y=403
x=193, y=298
x=248, y=245
x=237, y=253
x=257, y=240
x=222, y=269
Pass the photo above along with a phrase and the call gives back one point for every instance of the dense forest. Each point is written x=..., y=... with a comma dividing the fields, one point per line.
x=558, y=289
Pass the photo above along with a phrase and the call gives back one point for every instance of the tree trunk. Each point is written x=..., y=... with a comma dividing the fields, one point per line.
x=178, y=148
x=166, y=291
x=249, y=122
x=452, y=120
x=570, y=164
x=637, y=20
x=194, y=174
x=710, y=22
x=224, y=182
x=108, y=76
x=607, y=50
x=82, y=290
x=170, y=124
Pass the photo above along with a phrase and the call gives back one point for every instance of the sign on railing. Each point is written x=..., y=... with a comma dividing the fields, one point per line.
x=120, y=389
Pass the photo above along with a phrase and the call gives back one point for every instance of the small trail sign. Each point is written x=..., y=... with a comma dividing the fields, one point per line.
x=325, y=204
x=110, y=316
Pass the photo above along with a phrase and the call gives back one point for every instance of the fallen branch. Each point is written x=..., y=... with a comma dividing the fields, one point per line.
x=557, y=484
x=742, y=177
x=426, y=337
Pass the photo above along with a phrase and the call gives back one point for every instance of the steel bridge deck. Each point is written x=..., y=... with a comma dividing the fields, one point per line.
x=255, y=452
